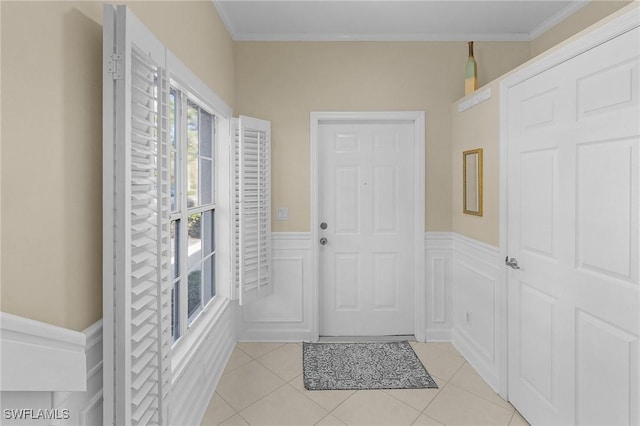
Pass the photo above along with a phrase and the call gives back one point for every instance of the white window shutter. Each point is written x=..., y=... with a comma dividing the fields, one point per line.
x=253, y=230
x=235, y=194
x=137, y=294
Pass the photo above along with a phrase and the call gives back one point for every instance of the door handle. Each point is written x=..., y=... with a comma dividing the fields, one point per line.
x=323, y=241
x=513, y=262
x=323, y=225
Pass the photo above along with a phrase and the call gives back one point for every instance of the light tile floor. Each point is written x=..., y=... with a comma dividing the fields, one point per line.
x=262, y=385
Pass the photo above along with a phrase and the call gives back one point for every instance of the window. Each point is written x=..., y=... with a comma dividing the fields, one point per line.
x=160, y=125
x=193, y=207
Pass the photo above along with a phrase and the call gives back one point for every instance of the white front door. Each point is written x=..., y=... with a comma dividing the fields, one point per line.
x=573, y=143
x=366, y=199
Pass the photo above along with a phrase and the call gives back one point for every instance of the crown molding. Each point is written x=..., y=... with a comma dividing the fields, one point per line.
x=225, y=20
x=383, y=37
x=557, y=18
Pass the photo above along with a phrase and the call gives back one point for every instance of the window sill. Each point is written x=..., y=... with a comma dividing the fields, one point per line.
x=184, y=350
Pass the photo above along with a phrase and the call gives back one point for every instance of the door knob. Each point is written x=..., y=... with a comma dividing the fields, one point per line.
x=323, y=225
x=513, y=262
x=323, y=241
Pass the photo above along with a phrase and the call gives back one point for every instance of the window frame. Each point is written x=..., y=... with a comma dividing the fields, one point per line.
x=192, y=88
x=183, y=212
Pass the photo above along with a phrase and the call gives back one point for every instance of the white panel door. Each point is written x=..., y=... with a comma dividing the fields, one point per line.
x=573, y=136
x=366, y=266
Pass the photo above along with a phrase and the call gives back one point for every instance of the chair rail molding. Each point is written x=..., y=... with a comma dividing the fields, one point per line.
x=85, y=408
x=37, y=356
x=81, y=406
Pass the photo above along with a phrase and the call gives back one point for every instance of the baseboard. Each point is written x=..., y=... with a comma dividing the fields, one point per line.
x=278, y=335
x=469, y=351
x=438, y=334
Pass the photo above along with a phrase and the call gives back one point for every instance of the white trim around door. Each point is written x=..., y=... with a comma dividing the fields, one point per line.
x=418, y=120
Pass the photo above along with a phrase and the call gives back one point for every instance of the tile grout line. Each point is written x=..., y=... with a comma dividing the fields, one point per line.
x=284, y=382
x=483, y=399
x=328, y=414
x=417, y=417
x=440, y=391
x=260, y=399
x=240, y=349
x=345, y=400
x=280, y=344
x=267, y=367
x=245, y=420
x=430, y=417
x=235, y=368
x=226, y=402
x=331, y=411
x=301, y=393
x=398, y=399
x=430, y=402
x=478, y=395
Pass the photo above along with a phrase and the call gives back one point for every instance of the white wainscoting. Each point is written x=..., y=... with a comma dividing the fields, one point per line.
x=464, y=299
x=479, y=308
x=37, y=356
x=85, y=408
x=285, y=315
x=192, y=388
x=69, y=407
x=439, y=279
x=196, y=379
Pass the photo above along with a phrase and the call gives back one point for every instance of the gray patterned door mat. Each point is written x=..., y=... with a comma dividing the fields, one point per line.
x=376, y=365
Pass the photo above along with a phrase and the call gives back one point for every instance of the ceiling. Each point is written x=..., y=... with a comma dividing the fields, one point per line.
x=402, y=20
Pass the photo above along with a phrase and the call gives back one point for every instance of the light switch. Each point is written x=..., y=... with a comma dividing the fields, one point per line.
x=282, y=213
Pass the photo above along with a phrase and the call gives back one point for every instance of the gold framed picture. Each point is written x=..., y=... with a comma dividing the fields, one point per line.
x=472, y=181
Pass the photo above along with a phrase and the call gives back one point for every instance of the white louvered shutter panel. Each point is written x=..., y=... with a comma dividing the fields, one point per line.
x=235, y=181
x=137, y=294
x=254, y=268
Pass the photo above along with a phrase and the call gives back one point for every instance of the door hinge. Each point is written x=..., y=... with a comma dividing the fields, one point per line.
x=115, y=66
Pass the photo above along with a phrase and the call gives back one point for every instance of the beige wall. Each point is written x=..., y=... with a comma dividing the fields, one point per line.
x=50, y=169
x=285, y=81
x=594, y=11
x=52, y=144
x=477, y=127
